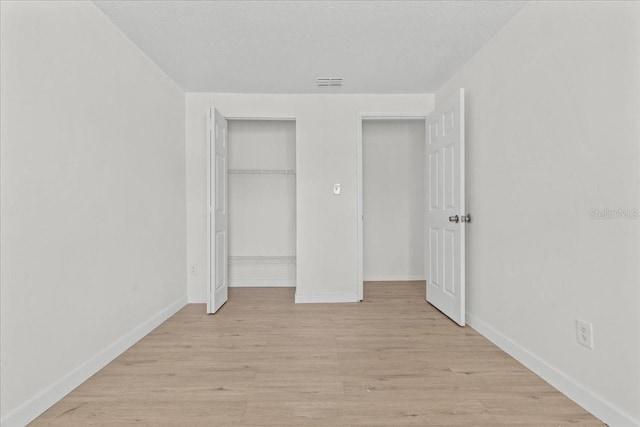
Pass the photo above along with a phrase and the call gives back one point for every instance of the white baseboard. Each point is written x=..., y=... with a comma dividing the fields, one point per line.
x=325, y=298
x=262, y=283
x=599, y=407
x=42, y=401
x=197, y=293
x=197, y=299
x=395, y=278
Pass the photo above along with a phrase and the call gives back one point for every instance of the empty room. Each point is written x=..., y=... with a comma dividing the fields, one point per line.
x=319, y=213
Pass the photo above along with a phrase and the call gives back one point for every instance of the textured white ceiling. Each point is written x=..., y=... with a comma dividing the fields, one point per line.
x=282, y=46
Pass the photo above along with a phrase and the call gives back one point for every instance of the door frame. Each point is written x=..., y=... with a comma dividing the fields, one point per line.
x=209, y=253
x=363, y=117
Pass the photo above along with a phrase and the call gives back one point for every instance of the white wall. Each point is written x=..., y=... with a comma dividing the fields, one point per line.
x=93, y=199
x=553, y=103
x=393, y=199
x=326, y=132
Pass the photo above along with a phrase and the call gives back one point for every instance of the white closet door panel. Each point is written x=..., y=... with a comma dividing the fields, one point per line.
x=218, y=213
x=445, y=213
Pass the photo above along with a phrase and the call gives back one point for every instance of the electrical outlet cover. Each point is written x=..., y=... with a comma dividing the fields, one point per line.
x=584, y=333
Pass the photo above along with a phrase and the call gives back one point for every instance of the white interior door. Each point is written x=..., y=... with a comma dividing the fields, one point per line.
x=445, y=211
x=218, y=212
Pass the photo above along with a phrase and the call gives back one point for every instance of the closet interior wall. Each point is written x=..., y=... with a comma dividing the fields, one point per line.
x=262, y=202
x=393, y=199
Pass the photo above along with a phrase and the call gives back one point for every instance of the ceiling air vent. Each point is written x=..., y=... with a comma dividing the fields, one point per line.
x=329, y=81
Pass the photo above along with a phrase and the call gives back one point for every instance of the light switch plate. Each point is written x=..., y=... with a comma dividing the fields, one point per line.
x=336, y=189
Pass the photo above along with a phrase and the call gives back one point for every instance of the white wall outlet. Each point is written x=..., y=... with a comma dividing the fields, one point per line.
x=336, y=189
x=584, y=331
x=194, y=270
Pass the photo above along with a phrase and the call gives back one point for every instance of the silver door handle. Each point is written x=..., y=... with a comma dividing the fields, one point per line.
x=457, y=219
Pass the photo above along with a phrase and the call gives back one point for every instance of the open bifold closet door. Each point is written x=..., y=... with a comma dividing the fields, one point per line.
x=218, y=212
x=251, y=204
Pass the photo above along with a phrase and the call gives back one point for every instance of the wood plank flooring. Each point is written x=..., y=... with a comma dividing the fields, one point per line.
x=265, y=361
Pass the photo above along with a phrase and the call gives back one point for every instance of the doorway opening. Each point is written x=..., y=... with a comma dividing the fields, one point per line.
x=262, y=203
x=251, y=198
x=445, y=216
x=391, y=193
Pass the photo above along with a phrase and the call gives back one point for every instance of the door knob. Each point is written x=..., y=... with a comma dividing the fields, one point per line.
x=457, y=219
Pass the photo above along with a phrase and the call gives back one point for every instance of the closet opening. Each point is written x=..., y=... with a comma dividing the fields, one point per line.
x=261, y=177
x=392, y=199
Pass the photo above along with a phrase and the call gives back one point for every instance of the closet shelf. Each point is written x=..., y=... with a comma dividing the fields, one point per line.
x=262, y=171
x=260, y=259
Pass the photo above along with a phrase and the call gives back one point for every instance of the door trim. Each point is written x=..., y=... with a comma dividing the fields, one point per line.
x=363, y=117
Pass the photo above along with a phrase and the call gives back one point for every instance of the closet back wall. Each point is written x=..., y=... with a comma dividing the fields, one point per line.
x=393, y=199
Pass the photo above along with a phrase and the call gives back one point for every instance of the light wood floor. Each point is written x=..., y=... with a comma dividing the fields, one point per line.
x=264, y=361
